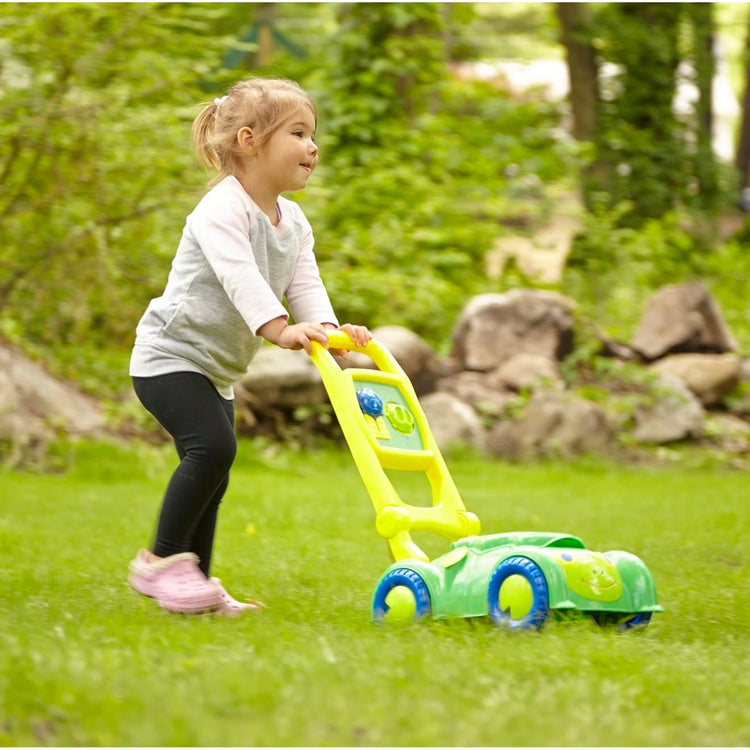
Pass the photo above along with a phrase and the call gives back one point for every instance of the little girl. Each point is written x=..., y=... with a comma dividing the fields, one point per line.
x=243, y=249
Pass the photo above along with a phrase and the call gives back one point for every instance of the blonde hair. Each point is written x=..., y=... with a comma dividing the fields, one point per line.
x=261, y=104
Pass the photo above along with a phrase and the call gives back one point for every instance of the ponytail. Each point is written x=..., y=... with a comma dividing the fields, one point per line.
x=202, y=132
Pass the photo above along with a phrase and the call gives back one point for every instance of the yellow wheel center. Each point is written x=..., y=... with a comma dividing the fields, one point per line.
x=401, y=605
x=516, y=597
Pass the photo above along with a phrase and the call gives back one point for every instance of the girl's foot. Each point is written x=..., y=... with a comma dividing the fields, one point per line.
x=230, y=607
x=176, y=582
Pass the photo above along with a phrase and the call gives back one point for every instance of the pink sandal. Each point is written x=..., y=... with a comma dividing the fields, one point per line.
x=176, y=582
x=230, y=607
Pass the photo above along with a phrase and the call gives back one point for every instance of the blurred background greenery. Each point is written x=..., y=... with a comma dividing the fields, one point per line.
x=430, y=154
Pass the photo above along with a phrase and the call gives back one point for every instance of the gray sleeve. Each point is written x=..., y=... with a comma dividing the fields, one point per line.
x=222, y=229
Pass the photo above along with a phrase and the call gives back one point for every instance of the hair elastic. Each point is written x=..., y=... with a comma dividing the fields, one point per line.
x=219, y=100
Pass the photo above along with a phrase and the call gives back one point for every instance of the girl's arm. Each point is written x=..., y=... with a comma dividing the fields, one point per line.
x=308, y=298
x=296, y=336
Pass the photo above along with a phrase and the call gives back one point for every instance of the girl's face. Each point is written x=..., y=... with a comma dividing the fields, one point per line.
x=286, y=161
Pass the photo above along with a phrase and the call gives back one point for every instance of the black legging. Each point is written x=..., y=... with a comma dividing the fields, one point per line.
x=201, y=424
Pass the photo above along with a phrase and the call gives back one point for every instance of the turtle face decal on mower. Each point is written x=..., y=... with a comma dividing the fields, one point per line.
x=591, y=575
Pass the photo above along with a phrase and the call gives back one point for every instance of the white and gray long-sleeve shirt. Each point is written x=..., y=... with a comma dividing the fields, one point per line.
x=229, y=276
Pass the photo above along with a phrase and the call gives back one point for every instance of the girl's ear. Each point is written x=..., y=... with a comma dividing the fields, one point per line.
x=246, y=140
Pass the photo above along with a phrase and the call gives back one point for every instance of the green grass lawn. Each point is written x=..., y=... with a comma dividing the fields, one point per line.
x=86, y=661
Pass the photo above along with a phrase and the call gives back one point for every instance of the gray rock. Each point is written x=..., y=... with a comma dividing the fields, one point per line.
x=526, y=370
x=495, y=327
x=728, y=432
x=682, y=318
x=553, y=423
x=40, y=400
x=418, y=359
x=36, y=406
x=709, y=376
x=675, y=414
x=282, y=378
x=452, y=421
x=474, y=388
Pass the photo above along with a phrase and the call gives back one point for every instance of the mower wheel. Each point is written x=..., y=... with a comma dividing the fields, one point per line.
x=401, y=597
x=623, y=622
x=517, y=595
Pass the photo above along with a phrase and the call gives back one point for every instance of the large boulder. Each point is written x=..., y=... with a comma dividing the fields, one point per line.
x=553, y=424
x=709, y=376
x=277, y=381
x=728, y=432
x=475, y=389
x=741, y=396
x=676, y=414
x=526, y=370
x=452, y=421
x=682, y=318
x=283, y=377
x=493, y=328
x=35, y=406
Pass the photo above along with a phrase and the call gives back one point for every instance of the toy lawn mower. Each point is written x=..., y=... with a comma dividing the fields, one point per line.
x=520, y=579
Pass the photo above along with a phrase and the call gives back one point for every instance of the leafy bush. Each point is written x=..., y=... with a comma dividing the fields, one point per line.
x=613, y=269
x=95, y=160
x=402, y=238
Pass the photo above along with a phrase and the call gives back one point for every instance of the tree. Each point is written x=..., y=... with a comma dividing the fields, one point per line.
x=95, y=109
x=419, y=170
x=640, y=138
x=743, y=148
x=702, y=25
x=388, y=58
x=575, y=19
x=642, y=152
x=576, y=29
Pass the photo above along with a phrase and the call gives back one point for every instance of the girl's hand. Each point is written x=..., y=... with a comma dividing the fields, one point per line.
x=360, y=335
x=297, y=336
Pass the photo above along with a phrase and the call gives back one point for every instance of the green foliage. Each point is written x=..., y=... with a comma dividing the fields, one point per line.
x=419, y=171
x=646, y=154
x=738, y=399
x=613, y=269
x=387, y=58
x=94, y=134
x=522, y=31
x=726, y=269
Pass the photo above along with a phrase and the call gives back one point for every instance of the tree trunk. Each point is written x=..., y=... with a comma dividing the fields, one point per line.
x=703, y=55
x=743, y=149
x=583, y=75
x=653, y=152
x=582, y=68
